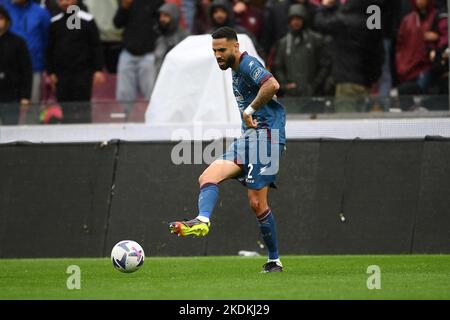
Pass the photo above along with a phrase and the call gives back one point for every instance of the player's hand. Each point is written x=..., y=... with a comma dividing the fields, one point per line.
x=249, y=121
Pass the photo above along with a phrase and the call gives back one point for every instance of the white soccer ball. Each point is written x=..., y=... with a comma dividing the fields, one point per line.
x=127, y=256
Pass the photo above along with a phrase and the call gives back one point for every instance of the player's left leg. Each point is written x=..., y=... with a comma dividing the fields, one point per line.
x=259, y=204
x=217, y=172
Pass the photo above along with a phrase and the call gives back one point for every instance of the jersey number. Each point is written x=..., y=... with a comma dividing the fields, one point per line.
x=250, y=169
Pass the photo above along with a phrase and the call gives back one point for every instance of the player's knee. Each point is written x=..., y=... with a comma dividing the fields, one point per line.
x=256, y=205
x=201, y=179
x=205, y=178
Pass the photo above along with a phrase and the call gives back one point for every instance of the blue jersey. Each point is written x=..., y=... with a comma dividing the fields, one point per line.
x=247, y=80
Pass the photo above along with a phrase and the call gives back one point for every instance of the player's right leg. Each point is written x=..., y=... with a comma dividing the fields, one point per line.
x=259, y=204
x=209, y=180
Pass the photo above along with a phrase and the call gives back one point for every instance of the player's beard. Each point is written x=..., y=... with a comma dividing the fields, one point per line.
x=228, y=63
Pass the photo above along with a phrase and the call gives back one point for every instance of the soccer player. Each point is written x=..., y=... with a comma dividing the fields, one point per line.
x=253, y=159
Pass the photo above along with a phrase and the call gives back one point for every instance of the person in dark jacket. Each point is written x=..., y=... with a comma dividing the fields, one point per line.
x=440, y=56
x=15, y=72
x=31, y=22
x=53, y=7
x=390, y=21
x=136, y=70
x=299, y=56
x=248, y=16
x=201, y=23
x=171, y=32
x=74, y=62
x=358, y=52
x=222, y=15
x=276, y=19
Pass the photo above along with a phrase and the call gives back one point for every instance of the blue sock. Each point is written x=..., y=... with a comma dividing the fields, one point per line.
x=269, y=233
x=207, y=199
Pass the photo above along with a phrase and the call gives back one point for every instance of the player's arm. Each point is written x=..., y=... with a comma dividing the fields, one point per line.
x=266, y=93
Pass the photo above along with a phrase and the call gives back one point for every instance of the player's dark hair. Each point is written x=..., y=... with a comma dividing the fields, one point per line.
x=225, y=32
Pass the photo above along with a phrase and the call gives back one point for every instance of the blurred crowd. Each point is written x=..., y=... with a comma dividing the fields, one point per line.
x=50, y=50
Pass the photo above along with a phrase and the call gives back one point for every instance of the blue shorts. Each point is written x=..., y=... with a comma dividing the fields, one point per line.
x=259, y=160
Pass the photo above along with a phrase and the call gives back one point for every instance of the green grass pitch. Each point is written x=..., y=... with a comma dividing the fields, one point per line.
x=169, y=278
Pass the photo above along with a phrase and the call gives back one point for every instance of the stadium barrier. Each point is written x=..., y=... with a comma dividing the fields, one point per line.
x=335, y=197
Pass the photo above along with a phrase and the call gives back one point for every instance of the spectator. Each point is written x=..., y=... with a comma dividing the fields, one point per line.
x=74, y=62
x=441, y=6
x=171, y=33
x=248, y=16
x=390, y=22
x=414, y=41
x=202, y=21
x=181, y=5
x=111, y=37
x=357, y=51
x=299, y=57
x=221, y=14
x=53, y=7
x=440, y=55
x=136, y=70
x=405, y=7
x=15, y=72
x=275, y=24
x=31, y=22
x=188, y=8
x=329, y=86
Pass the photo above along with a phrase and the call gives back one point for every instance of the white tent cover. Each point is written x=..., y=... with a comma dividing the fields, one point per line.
x=191, y=88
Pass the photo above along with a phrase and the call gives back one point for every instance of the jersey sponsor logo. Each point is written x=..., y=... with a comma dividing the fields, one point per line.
x=256, y=73
x=262, y=170
x=249, y=180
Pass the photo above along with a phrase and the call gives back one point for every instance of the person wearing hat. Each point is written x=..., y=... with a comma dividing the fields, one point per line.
x=15, y=72
x=222, y=15
x=298, y=60
x=170, y=33
x=275, y=24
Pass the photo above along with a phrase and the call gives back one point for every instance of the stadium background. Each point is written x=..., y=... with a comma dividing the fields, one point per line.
x=372, y=180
